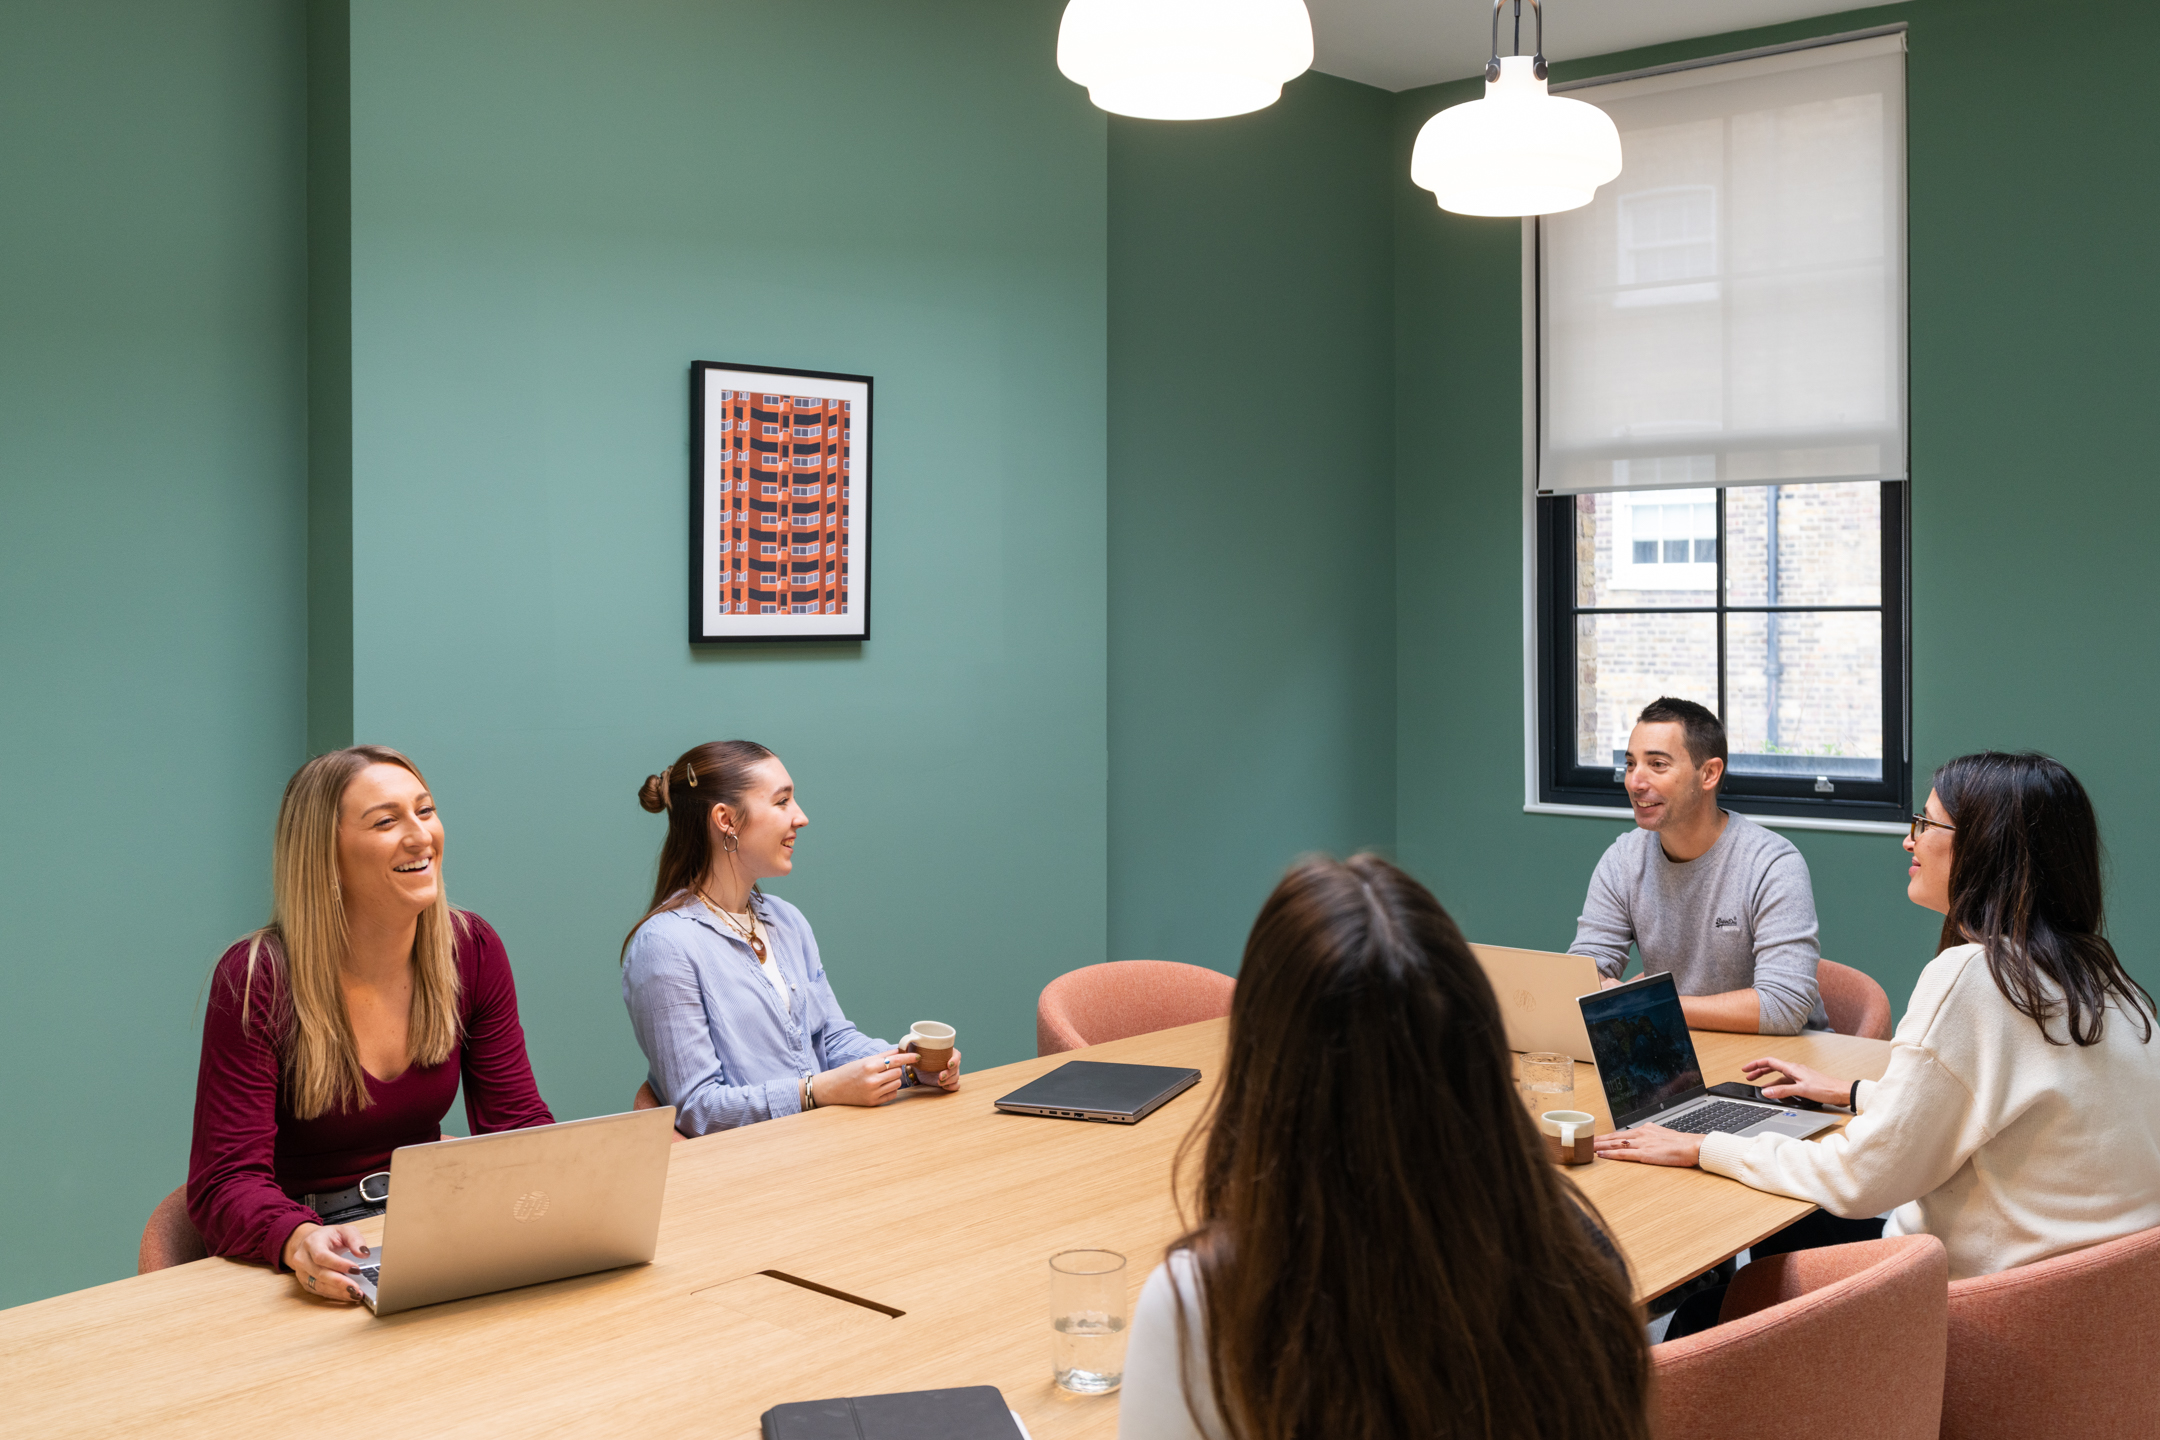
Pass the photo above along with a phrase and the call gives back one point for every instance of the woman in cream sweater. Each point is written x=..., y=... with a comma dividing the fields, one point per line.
x=2020, y=1114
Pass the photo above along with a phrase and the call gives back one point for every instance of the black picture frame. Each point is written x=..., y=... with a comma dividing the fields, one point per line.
x=747, y=579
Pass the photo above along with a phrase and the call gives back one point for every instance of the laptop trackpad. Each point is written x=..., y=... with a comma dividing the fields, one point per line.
x=1787, y=1123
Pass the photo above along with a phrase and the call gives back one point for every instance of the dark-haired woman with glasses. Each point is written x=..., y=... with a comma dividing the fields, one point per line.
x=2020, y=1114
x=1382, y=1248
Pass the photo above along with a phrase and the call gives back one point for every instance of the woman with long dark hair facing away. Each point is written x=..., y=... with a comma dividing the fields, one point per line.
x=2020, y=1114
x=342, y=1029
x=1382, y=1248
x=726, y=990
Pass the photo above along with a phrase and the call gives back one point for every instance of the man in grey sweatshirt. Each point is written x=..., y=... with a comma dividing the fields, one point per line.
x=1722, y=903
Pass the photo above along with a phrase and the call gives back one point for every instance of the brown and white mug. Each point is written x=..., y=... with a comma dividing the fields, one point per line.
x=1569, y=1136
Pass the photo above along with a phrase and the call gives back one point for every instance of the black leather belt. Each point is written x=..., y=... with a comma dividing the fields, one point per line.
x=369, y=1198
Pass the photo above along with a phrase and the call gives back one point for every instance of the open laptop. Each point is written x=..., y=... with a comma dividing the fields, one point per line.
x=1100, y=1090
x=1646, y=1060
x=476, y=1214
x=1537, y=990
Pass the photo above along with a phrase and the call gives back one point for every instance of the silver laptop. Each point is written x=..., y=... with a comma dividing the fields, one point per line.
x=1537, y=990
x=1646, y=1061
x=491, y=1212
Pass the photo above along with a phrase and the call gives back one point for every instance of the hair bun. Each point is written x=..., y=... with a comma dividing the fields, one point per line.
x=649, y=795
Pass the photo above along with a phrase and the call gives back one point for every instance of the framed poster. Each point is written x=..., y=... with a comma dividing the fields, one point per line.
x=779, y=504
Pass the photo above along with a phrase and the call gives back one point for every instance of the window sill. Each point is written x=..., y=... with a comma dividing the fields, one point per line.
x=1771, y=822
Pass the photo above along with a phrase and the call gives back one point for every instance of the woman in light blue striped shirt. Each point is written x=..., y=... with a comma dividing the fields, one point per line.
x=726, y=991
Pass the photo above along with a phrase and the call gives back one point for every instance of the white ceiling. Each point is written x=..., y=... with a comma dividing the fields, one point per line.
x=1401, y=44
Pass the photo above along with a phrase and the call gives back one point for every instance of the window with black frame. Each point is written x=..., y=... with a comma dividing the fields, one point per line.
x=1780, y=619
x=1721, y=479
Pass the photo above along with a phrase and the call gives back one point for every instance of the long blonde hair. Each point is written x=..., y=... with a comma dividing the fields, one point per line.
x=306, y=942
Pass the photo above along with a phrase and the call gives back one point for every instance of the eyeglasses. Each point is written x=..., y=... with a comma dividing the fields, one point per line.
x=1921, y=824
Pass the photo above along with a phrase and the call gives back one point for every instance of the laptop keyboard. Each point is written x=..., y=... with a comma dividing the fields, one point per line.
x=1728, y=1115
x=372, y=1274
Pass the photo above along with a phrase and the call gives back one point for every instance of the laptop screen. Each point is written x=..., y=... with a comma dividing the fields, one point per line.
x=1644, y=1056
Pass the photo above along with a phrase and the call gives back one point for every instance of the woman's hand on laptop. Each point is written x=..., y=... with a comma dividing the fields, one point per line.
x=1650, y=1145
x=311, y=1253
x=1795, y=1079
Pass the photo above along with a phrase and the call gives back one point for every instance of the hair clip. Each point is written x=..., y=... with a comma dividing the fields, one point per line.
x=692, y=768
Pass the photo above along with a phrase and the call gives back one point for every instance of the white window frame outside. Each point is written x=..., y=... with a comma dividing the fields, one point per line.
x=1662, y=575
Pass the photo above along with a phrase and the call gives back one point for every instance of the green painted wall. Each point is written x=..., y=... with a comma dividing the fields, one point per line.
x=2033, y=303
x=1251, y=497
x=556, y=207
x=329, y=369
x=152, y=629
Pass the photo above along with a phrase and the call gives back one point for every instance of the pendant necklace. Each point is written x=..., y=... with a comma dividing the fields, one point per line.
x=749, y=933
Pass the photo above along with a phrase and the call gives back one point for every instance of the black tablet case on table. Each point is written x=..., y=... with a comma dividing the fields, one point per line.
x=973, y=1412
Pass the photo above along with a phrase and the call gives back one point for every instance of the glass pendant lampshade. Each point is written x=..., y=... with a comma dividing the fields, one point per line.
x=1518, y=151
x=1184, y=59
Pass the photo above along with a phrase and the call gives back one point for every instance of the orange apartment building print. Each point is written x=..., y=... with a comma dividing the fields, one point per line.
x=785, y=517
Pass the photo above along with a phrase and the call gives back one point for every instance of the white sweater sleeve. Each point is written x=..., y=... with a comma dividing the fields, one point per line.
x=1151, y=1402
x=1919, y=1126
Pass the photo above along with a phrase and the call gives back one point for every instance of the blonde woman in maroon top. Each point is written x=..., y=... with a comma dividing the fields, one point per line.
x=340, y=1030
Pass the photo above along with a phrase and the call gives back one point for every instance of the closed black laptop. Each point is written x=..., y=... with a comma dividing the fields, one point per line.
x=973, y=1412
x=1100, y=1090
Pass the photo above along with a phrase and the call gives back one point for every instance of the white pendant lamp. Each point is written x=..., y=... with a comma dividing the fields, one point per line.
x=1184, y=59
x=1519, y=150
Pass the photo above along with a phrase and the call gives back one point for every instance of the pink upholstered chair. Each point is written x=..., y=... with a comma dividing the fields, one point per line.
x=2060, y=1347
x=1815, y=1345
x=1855, y=1003
x=169, y=1239
x=1126, y=997
x=646, y=1100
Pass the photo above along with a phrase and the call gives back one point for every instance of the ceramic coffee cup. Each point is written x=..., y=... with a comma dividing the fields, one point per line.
x=933, y=1046
x=1568, y=1136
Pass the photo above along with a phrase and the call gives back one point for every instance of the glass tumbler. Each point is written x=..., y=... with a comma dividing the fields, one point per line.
x=1548, y=1081
x=1087, y=1320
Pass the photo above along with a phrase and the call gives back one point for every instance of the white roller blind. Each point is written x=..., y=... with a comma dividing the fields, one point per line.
x=1731, y=310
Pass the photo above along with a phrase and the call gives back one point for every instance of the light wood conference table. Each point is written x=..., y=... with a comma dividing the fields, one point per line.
x=936, y=1206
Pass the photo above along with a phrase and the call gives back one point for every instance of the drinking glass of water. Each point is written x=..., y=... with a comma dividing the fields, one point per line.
x=1548, y=1081
x=1087, y=1320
